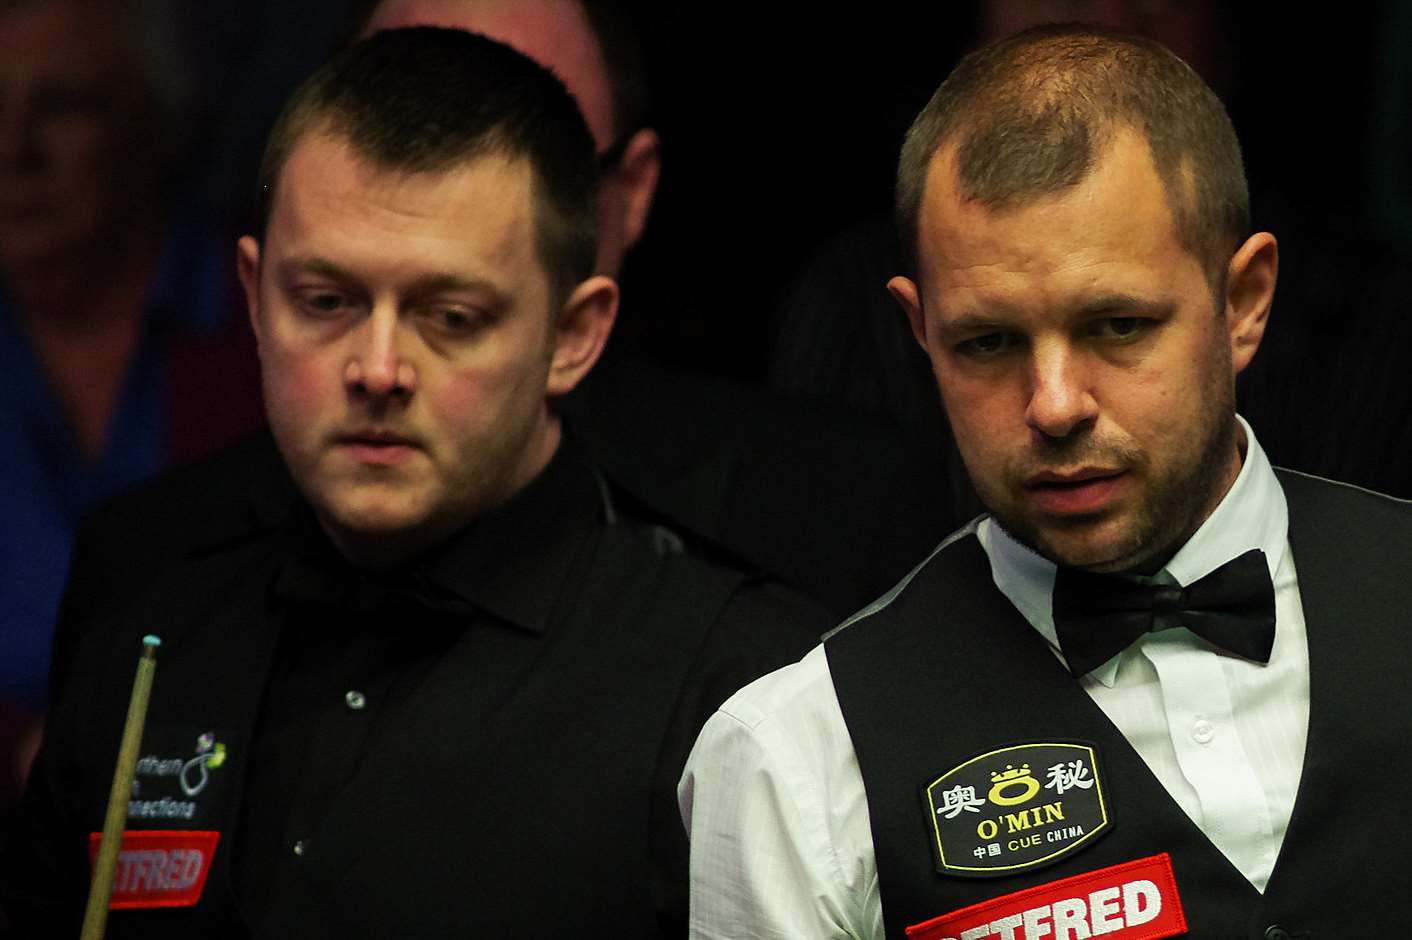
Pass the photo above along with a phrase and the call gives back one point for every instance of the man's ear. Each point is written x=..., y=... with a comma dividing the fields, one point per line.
x=636, y=176
x=247, y=265
x=904, y=291
x=582, y=332
x=1250, y=290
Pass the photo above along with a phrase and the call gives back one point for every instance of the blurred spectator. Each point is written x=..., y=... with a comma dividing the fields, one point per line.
x=592, y=49
x=121, y=348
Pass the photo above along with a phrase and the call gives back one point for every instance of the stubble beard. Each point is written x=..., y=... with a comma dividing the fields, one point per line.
x=1176, y=502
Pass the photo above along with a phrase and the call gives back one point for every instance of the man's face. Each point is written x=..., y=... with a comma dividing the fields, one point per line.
x=405, y=337
x=1087, y=371
x=70, y=110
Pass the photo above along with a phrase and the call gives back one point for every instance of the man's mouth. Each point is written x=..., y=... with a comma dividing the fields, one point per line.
x=376, y=446
x=1071, y=492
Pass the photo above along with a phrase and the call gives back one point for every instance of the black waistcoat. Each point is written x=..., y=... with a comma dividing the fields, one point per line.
x=949, y=669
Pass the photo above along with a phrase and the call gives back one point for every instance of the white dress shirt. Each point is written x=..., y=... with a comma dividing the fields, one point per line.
x=773, y=800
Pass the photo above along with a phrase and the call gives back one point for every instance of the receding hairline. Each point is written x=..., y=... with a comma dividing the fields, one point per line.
x=946, y=158
x=1034, y=113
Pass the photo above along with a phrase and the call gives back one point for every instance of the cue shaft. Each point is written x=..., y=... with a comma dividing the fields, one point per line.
x=100, y=891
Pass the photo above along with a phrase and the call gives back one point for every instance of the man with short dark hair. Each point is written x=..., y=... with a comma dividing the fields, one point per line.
x=1110, y=706
x=421, y=673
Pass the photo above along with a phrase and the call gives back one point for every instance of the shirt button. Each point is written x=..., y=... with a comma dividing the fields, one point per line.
x=1203, y=731
x=355, y=699
x=1276, y=933
x=300, y=847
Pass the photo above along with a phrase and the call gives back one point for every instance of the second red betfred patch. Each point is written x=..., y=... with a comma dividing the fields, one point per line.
x=1136, y=900
x=159, y=868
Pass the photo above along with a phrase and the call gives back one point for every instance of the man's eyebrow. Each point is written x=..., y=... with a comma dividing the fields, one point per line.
x=1127, y=305
x=444, y=283
x=423, y=285
x=971, y=323
x=309, y=264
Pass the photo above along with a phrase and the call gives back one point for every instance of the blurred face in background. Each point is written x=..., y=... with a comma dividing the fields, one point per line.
x=78, y=152
x=557, y=34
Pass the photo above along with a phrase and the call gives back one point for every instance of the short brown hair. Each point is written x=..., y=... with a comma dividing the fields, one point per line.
x=1031, y=114
x=427, y=100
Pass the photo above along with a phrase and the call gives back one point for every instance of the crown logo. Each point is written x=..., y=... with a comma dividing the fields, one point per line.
x=1010, y=773
x=1012, y=786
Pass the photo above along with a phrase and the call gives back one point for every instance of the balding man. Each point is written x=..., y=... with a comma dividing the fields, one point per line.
x=1147, y=695
x=604, y=77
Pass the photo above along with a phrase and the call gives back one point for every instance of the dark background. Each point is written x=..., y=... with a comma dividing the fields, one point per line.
x=780, y=125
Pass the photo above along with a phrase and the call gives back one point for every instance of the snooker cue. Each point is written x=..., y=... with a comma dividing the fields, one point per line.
x=105, y=866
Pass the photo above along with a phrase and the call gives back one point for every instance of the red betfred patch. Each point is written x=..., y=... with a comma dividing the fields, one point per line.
x=159, y=868
x=1136, y=900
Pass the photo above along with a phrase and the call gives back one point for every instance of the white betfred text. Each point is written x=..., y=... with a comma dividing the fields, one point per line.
x=1101, y=912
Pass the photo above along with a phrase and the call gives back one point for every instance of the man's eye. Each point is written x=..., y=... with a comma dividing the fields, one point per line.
x=455, y=320
x=1121, y=327
x=323, y=303
x=987, y=344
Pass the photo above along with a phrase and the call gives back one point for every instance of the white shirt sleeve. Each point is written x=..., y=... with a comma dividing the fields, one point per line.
x=774, y=806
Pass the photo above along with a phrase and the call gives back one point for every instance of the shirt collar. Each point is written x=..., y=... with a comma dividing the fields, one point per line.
x=1252, y=514
x=514, y=561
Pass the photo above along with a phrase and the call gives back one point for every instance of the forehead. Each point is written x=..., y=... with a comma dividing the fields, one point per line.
x=473, y=219
x=554, y=33
x=1114, y=225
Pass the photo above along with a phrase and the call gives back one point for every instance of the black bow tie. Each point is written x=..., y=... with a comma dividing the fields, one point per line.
x=1097, y=616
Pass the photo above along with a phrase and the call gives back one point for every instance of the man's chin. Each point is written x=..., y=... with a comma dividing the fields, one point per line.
x=385, y=527
x=1101, y=543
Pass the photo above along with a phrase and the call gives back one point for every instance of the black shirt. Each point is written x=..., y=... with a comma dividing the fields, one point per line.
x=488, y=741
x=356, y=645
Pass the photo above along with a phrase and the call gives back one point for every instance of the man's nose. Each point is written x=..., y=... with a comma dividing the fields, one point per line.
x=379, y=367
x=1061, y=399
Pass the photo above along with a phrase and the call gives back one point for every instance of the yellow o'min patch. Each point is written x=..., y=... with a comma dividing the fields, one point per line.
x=1016, y=807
